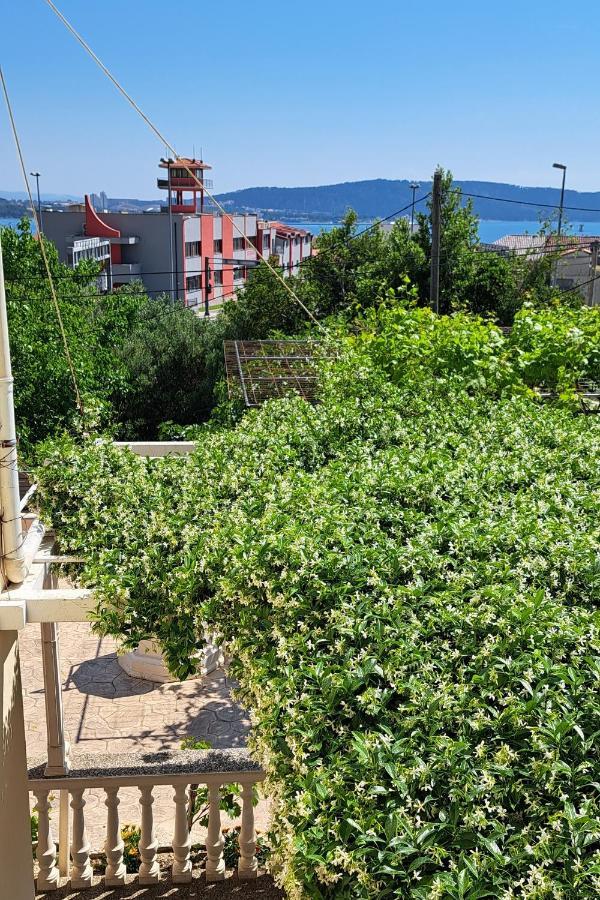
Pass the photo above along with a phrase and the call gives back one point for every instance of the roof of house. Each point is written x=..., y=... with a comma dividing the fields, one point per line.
x=521, y=243
x=288, y=230
x=532, y=243
x=185, y=161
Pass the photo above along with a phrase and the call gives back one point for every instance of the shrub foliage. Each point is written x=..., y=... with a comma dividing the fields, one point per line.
x=407, y=576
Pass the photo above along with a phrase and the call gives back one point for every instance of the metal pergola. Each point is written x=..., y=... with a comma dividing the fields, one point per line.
x=265, y=370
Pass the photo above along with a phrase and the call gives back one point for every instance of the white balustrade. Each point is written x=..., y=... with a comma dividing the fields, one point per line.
x=182, y=841
x=81, y=869
x=48, y=877
x=248, y=864
x=149, y=868
x=113, y=846
x=215, y=863
x=121, y=773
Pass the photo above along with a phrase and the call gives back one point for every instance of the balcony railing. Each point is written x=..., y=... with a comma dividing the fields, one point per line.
x=111, y=772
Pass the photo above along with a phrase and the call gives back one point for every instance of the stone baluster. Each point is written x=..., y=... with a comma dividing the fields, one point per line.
x=215, y=863
x=81, y=870
x=48, y=878
x=247, y=864
x=149, y=869
x=113, y=846
x=182, y=841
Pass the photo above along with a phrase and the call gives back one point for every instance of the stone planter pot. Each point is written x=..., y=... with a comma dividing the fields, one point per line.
x=147, y=662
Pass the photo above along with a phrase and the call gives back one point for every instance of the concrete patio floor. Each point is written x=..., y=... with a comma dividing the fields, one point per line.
x=108, y=711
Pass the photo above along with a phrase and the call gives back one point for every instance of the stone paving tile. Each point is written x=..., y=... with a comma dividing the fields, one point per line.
x=108, y=711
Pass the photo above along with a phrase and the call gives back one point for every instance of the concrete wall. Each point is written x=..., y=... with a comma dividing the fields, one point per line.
x=573, y=270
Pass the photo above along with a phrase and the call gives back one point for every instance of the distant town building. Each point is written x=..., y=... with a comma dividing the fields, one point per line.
x=186, y=250
x=576, y=266
x=99, y=201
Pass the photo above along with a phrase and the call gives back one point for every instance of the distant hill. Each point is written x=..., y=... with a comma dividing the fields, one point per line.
x=22, y=195
x=13, y=209
x=381, y=197
x=375, y=199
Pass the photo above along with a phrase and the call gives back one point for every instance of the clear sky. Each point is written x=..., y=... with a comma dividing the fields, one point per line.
x=303, y=92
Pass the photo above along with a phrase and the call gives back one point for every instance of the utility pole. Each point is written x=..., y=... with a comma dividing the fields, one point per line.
x=414, y=188
x=436, y=211
x=593, y=272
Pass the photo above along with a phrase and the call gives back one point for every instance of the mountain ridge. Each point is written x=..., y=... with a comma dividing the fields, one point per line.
x=382, y=197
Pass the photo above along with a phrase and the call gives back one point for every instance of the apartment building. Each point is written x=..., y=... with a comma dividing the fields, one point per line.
x=187, y=251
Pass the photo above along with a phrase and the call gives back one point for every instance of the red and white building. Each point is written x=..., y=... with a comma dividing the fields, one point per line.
x=187, y=251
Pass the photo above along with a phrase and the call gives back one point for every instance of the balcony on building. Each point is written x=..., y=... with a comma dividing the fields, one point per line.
x=123, y=273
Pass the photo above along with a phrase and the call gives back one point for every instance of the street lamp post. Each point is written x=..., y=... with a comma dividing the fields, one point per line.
x=562, y=194
x=414, y=188
x=36, y=175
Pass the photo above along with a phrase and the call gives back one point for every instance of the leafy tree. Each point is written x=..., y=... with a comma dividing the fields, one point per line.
x=341, y=256
x=458, y=243
x=163, y=365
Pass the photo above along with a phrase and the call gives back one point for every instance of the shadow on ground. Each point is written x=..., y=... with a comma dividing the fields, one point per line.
x=263, y=888
x=104, y=677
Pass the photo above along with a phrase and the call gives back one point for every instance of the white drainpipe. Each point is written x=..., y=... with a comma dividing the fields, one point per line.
x=11, y=531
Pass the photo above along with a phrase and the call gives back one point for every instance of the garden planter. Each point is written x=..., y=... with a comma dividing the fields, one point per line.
x=147, y=662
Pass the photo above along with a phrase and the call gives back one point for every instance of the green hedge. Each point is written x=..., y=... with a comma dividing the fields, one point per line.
x=407, y=576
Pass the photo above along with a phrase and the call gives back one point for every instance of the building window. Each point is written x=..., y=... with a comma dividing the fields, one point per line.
x=266, y=241
x=239, y=243
x=192, y=248
x=183, y=173
x=239, y=273
x=192, y=283
x=217, y=277
x=218, y=246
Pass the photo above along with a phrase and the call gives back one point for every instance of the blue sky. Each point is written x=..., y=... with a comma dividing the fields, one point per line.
x=302, y=93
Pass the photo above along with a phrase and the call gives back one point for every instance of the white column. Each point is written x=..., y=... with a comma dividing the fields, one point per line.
x=248, y=864
x=81, y=870
x=48, y=878
x=16, y=862
x=215, y=864
x=149, y=868
x=182, y=866
x=58, y=748
x=113, y=846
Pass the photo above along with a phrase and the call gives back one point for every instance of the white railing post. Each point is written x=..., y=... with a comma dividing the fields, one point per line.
x=16, y=870
x=114, y=846
x=182, y=841
x=248, y=864
x=215, y=863
x=81, y=870
x=48, y=878
x=149, y=869
x=64, y=834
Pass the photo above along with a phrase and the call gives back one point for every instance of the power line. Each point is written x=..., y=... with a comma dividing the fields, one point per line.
x=172, y=150
x=523, y=202
x=61, y=326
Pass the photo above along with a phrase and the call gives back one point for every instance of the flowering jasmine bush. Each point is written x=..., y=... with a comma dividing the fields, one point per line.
x=408, y=578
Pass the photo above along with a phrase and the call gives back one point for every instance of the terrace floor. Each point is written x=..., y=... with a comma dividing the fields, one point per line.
x=108, y=711
x=262, y=889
